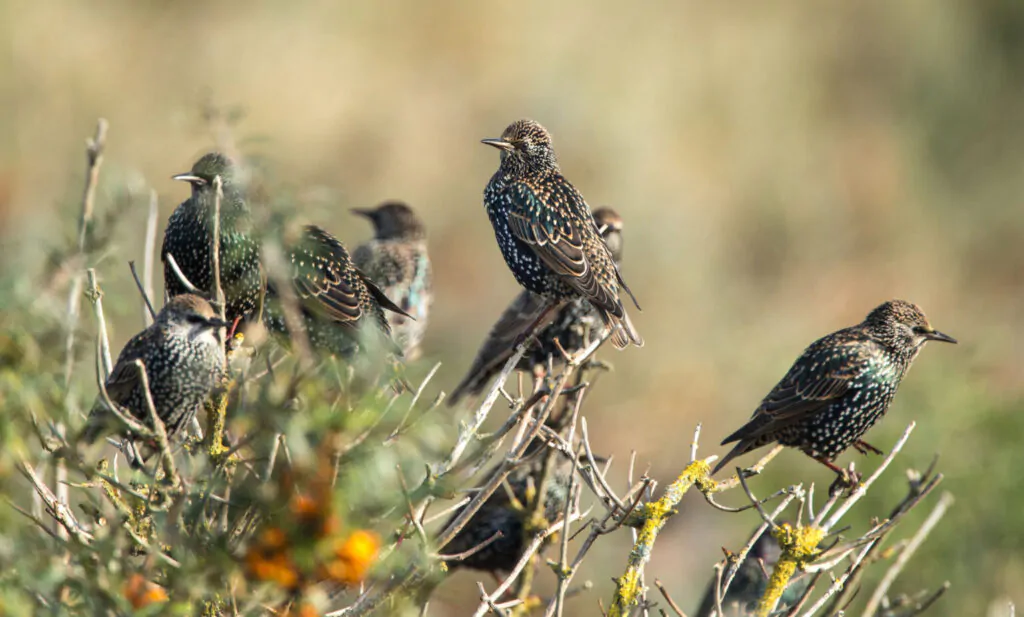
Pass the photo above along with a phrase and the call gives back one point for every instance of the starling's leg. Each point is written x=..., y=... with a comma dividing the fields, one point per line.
x=847, y=478
x=864, y=447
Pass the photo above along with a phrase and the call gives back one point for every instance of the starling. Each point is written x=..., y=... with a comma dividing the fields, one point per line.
x=342, y=309
x=500, y=514
x=547, y=234
x=396, y=259
x=841, y=385
x=184, y=361
x=751, y=581
x=189, y=238
x=570, y=325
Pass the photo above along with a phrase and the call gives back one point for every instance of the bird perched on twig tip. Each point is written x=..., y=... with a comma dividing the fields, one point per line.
x=547, y=234
x=839, y=387
x=184, y=362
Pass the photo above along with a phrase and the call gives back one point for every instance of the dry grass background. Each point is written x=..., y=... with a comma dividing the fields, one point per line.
x=782, y=168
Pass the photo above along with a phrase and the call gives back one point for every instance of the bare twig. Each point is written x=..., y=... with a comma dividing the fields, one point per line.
x=148, y=313
x=187, y=284
x=945, y=501
x=59, y=510
x=159, y=431
x=862, y=489
x=657, y=582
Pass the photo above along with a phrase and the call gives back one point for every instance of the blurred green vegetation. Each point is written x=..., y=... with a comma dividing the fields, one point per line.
x=781, y=169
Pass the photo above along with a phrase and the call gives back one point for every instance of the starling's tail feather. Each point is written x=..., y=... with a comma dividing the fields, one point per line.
x=740, y=449
x=623, y=331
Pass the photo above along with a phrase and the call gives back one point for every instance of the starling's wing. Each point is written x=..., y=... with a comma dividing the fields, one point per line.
x=500, y=343
x=822, y=374
x=121, y=382
x=553, y=218
x=325, y=279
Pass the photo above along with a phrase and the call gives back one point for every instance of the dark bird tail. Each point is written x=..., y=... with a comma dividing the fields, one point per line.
x=741, y=448
x=623, y=331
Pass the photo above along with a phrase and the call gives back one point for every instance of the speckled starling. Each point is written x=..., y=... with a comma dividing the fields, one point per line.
x=546, y=232
x=396, y=259
x=342, y=309
x=184, y=362
x=840, y=386
x=499, y=513
x=750, y=582
x=569, y=326
x=189, y=237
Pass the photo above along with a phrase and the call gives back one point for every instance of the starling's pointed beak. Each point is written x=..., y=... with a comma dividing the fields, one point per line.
x=190, y=178
x=935, y=335
x=498, y=143
x=367, y=212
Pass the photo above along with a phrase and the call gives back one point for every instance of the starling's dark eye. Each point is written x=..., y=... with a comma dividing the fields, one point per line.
x=919, y=330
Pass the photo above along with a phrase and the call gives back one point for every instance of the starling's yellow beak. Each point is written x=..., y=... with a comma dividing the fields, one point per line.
x=935, y=335
x=190, y=178
x=498, y=143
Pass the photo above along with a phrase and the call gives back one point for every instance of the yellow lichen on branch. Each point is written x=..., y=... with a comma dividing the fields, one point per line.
x=799, y=545
x=628, y=591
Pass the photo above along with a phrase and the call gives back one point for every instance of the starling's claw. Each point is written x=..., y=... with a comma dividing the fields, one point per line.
x=864, y=447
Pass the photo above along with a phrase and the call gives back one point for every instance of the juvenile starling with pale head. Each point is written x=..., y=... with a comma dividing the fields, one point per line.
x=571, y=326
x=547, y=234
x=189, y=238
x=396, y=260
x=839, y=387
x=184, y=361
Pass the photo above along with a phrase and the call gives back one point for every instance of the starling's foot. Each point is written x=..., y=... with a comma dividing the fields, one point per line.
x=864, y=447
x=846, y=480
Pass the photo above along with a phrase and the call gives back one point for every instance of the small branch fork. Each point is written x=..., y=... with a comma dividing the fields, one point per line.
x=801, y=544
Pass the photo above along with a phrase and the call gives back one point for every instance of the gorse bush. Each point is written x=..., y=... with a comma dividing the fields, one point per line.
x=320, y=487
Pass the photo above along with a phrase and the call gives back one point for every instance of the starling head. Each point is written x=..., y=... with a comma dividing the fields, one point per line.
x=525, y=148
x=610, y=224
x=902, y=326
x=191, y=316
x=393, y=220
x=208, y=167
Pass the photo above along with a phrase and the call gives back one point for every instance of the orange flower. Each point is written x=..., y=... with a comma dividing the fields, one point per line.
x=305, y=506
x=277, y=568
x=353, y=557
x=305, y=610
x=140, y=592
x=272, y=539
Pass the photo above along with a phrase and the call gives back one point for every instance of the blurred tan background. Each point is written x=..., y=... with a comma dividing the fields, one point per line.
x=782, y=168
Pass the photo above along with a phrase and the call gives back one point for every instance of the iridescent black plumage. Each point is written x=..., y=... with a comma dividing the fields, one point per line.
x=189, y=235
x=396, y=259
x=546, y=232
x=184, y=362
x=498, y=513
x=840, y=386
x=570, y=325
x=342, y=309
x=751, y=581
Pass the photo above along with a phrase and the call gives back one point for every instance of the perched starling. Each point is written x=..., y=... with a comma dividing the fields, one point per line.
x=396, y=259
x=342, y=309
x=189, y=238
x=184, y=362
x=499, y=513
x=569, y=326
x=840, y=386
x=751, y=581
x=547, y=234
